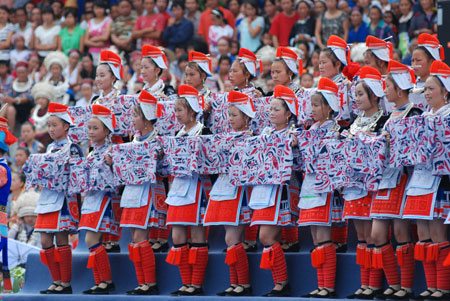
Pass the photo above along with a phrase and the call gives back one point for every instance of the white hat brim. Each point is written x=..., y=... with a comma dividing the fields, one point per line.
x=107, y=121
x=64, y=116
x=247, y=110
x=115, y=70
x=149, y=110
x=159, y=61
x=340, y=54
x=434, y=51
x=292, y=65
x=193, y=102
x=445, y=81
x=376, y=86
x=403, y=80
x=382, y=54
x=331, y=99
x=205, y=67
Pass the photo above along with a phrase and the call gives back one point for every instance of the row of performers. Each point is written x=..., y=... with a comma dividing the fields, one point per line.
x=58, y=212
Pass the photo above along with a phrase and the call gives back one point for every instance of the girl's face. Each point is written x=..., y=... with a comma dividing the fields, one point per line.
x=250, y=11
x=370, y=60
x=74, y=58
x=286, y=5
x=420, y=63
x=224, y=67
x=319, y=7
x=374, y=15
x=303, y=10
x=19, y=43
x=238, y=120
x=183, y=115
x=30, y=220
x=70, y=20
x=26, y=133
x=279, y=116
x=97, y=131
x=269, y=8
x=426, y=4
x=33, y=62
x=434, y=93
x=104, y=78
x=355, y=18
x=57, y=128
x=279, y=74
x=86, y=62
x=22, y=74
x=405, y=7
x=138, y=120
x=99, y=11
x=56, y=70
x=149, y=71
x=307, y=82
x=193, y=78
x=21, y=157
x=234, y=6
x=326, y=67
x=362, y=99
x=223, y=47
x=237, y=76
x=315, y=59
x=43, y=102
x=16, y=183
x=390, y=91
x=47, y=18
x=388, y=18
x=331, y=4
x=216, y=20
x=320, y=110
x=86, y=91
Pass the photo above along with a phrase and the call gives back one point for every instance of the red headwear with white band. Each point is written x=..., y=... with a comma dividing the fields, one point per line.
x=403, y=75
x=203, y=61
x=372, y=77
x=114, y=62
x=192, y=97
x=339, y=48
x=105, y=115
x=330, y=92
x=156, y=54
x=59, y=110
x=149, y=105
x=442, y=71
x=9, y=137
x=288, y=96
x=380, y=48
x=250, y=61
x=242, y=102
x=290, y=58
x=432, y=45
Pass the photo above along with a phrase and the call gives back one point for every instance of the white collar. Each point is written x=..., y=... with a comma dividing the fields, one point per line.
x=192, y=132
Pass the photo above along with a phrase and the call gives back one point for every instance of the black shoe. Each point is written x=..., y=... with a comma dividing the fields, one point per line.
x=65, y=290
x=178, y=291
x=152, y=290
x=384, y=295
x=420, y=297
x=48, y=291
x=291, y=247
x=250, y=248
x=164, y=247
x=198, y=291
x=130, y=292
x=226, y=291
x=444, y=296
x=406, y=296
x=113, y=248
x=328, y=295
x=371, y=295
x=312, y=294
x=89, y=291
x=284, y=292
x=356, y=295
x=247, y=291
x=340, y=247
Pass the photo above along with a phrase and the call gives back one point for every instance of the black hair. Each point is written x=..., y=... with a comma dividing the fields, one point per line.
x=427, y=53
x=110, y=70
x=368, y=91
x=3, y=62
x=334, y=59
x=26, y=150
x=88, y=55
x=380, y=63
x=22, y=177
x=293, y=118
x=217, y=12
x=178, y=3
x=101, y=3
x=21, y=9
x=397, y=51
x=71, y=11
x=128, y=1
x=194, y=65
x=271, y=1
x=48, y=10
x=183, y=58
x=254, y=4
x=358, y=9
x=323, y=100
x=58, y=1
x=225, y=58
x=30, y=124
x=156, y=66
x=5, y=8
x=306, y=74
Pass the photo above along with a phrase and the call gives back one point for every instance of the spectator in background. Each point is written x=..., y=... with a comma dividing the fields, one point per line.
x=28, y=139
x=35, y=18
x=43, y=93
x=424, y=20
x=134, y=72
x=193, y=14
x=223, y=72
x=22, y=155
x=282, y=24
x=397, y=55
x=46, y=35
x=57, y=7
x=114, y=11
x=72, y=71
x=17, y=185
x=6, y=33
x=377, y=27
x=87, y=91
x=122, y=29
x=29, y=8
x=71, y=36
x=87, y=67
x=332, y=22
x=218, y=30
x=270, y=11
x=358, y=29
x=303, y=29
x=307, y=81
x=161, y=5
x=365, y=5
x=404, y=22
x=23, y=26
x=223, y=48
x=234, y=48
x=19, y=53
x=179, y=30
x=138, y=6
x=98, y=31
x=251, y=28
x=23, y=230
x=206, y=20
x=149, y=28
x=319, y=8
x=6, y=78
x=235, y=7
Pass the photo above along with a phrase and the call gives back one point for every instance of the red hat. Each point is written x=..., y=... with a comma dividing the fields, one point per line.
x=9, y=137
x=156, y=54
x=403, y=75
x=114, y=62
x=372, y=77
x=290, y=58
x=149, y=105
x=288, y=96
x=330, y=92
x=87, y=81
x=60, y=110
x=380, y=48
x=105, y=115
x=243, y=102
x=21, y=64
x=442, y=71
x=432, y=45
x=192, y=97
x=203, y=61
x=339, y=48
x=250, y=61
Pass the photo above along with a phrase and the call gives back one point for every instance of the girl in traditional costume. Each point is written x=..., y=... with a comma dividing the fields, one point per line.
x=223, y=195
x=315, y=206
x=97, y=215
x=182, y=212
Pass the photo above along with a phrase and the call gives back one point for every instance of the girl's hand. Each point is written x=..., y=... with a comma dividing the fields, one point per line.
x=108, y=160
x=294, y=140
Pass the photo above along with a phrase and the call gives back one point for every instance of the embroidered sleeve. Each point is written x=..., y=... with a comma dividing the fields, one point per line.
x=3, y=176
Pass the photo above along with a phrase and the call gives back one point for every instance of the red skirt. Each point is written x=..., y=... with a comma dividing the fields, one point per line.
x=104, y=220
x=65, y=219
x=279, y=214
x=324, y=215
x=358, y=209
x=389, y=202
